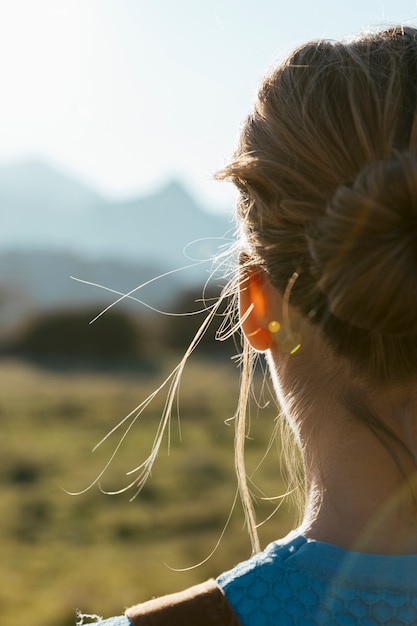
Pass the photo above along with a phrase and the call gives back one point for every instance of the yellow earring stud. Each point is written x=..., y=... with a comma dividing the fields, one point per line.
x=274, y=326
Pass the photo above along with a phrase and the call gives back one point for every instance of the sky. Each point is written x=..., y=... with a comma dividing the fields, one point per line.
x=127, y=95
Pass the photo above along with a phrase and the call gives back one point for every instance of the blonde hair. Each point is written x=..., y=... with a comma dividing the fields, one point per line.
x=326, y=169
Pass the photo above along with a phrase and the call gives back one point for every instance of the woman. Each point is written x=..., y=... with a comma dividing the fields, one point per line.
x=326, y=168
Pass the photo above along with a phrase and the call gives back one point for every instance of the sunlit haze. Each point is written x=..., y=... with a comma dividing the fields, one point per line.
x=127, y=94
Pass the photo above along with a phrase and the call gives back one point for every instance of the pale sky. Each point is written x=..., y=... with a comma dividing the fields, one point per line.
x=128, y=94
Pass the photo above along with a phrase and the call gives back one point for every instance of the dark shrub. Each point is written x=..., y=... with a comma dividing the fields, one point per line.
x=66, y=334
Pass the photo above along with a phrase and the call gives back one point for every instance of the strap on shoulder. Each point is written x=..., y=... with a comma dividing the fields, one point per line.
x=204, y=604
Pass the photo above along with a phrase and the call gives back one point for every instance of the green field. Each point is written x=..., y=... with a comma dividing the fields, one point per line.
x=100, y=553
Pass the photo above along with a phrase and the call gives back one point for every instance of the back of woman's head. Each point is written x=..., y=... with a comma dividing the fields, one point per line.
x=327, y=173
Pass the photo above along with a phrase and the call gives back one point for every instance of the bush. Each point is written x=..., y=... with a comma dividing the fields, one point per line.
x=66, y=334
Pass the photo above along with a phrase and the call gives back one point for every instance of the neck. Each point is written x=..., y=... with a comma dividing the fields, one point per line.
x=359, y=445
x=361, y=494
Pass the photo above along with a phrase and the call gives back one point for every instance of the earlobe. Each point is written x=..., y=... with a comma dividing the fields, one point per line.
x=254, y=309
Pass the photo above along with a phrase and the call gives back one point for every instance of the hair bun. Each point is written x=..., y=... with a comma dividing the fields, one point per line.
x=364, y=251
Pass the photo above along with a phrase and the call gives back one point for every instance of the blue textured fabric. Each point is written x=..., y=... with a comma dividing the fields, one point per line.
x=120, y=620
x=295, y=581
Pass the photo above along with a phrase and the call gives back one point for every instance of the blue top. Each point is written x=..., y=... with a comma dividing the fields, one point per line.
x=299, y=581
x=120, y=620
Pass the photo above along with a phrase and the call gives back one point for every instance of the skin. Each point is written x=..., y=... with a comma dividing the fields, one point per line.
x=359, y=494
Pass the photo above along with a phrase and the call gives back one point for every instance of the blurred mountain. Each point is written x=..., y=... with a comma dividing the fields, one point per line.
x=37, y=204
x=54, y=227
x=45, y=209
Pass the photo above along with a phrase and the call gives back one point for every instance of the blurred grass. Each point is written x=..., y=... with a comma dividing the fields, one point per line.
x=101, y=553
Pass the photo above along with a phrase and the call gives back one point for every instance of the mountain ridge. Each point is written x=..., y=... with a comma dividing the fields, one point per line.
x=44, y=208
x=54, y=227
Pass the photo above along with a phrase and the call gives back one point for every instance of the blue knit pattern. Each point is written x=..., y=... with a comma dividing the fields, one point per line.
x=120, y=620
x=295, y=581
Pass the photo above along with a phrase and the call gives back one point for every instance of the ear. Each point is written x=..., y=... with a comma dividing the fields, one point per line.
x=254, y=308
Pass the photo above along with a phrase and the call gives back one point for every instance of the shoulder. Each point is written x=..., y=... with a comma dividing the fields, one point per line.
x=277, y=557
x=275, y=582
